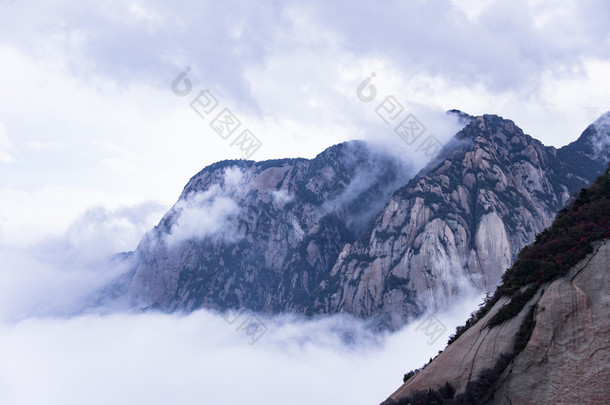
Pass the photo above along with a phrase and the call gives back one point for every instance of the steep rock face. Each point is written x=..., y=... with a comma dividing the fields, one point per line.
x=565, y=361
x=262, y=235
x=354, y=231
x=543, y=337
x=568, y=356
x=459, y=224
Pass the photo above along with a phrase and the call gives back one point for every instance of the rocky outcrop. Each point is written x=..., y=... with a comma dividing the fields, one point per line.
x=459, y=224
x=262, y=235
x=544, y=335
x=354, y=230
x=565, y=361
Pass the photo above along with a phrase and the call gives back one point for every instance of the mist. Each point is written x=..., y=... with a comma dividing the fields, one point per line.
x=60, y=346
x=201, y=358
x=92, y=135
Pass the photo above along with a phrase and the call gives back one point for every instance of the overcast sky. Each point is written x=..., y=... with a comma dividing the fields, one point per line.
x=88, y=117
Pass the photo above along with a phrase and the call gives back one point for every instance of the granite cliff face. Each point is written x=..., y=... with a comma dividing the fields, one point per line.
x=550, y=346
x=354, y=231
x=262, y=235
x=564, y=362
x=460, y=223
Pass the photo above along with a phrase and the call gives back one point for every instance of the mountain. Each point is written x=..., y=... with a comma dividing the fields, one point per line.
x=461, y=222
x=543, y=338
x=353, y=230
x=262, y=235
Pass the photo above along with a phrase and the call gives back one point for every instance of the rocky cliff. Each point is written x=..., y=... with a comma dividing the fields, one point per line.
x=262, y=235
x=549, y=346
x=461, y=222
x=354, y=231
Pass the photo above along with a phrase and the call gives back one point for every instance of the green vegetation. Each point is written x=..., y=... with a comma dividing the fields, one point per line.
x=474, y=317
x=555, y=251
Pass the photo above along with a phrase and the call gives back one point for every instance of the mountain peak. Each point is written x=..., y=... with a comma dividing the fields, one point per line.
x=602, y=124
x=462, y=116
x=352, y=230
x=601, y=139
x=590, y=150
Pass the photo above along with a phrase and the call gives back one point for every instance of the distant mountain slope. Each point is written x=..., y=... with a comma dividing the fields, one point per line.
x=353, y=231
x=544, y=337
x=590, y=151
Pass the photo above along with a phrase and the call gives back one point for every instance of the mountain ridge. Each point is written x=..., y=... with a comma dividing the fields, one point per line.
x=312, y=200
x=320, y=235
x=423, y=209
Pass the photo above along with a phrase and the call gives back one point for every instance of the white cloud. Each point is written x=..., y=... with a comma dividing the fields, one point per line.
x=7, y=150
x=202, y=214
x=281, y=197
x=200, y=358
x=31, y=216
x=62, y=275
x=44, y=283
x=472, y=8
x=233, y=178
x=108, y=130
x=100, y=232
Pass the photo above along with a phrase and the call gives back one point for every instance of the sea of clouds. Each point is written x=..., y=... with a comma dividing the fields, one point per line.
x=58, y=345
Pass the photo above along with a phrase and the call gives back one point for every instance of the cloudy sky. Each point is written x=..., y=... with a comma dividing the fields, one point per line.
x=98, y=136
x=88, y=117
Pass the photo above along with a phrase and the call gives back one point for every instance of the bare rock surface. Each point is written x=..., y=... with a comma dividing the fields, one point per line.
x=355, y=230
x=565, y=361
x=458, y=225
